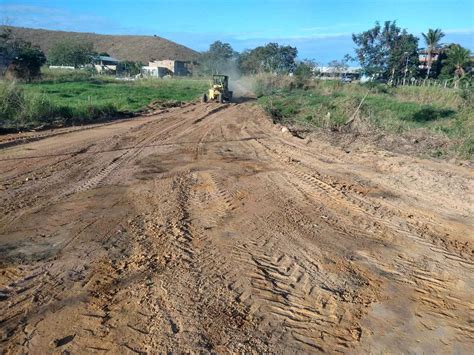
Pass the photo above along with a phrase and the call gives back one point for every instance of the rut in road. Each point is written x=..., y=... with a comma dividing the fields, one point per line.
x=205, y=228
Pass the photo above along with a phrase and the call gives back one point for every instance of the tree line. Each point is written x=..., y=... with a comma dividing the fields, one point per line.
x=385, y=52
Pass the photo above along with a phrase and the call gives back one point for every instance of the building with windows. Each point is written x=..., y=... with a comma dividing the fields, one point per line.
x=168, y=67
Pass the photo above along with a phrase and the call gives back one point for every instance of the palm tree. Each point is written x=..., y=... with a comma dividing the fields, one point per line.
x=432, y=39
x=457, y=58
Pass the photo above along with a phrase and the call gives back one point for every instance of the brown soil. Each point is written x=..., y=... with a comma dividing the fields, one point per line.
x=205, y=228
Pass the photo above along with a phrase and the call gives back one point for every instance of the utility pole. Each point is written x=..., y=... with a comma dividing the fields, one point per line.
x=406, y=69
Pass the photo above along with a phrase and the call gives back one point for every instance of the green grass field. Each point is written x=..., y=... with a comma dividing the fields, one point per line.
x=329, y=104
x=124, y=96
x=76, y=98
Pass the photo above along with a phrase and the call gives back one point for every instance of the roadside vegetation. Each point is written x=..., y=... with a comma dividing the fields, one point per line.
x=72, y=98
x=431, y=112
x=32, y=96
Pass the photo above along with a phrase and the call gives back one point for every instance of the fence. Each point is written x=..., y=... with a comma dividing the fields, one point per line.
x=432, y=82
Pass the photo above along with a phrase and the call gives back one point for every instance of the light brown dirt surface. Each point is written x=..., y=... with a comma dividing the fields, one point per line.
x=207, y=229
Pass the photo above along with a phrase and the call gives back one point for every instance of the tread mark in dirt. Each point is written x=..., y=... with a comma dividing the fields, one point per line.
x=281, y=289
x=36, y=137
x=212, y=204
x=417, y=231
x=436, y=291
x=122, y=159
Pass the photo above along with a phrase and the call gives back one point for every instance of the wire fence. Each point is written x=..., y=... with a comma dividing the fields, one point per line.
x=452, y=84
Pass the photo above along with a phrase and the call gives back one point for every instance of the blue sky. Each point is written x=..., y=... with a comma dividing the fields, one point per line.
x=321, y=30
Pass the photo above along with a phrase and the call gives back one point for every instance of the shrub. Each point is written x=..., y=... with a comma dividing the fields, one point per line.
x=65, y=75
x=12, y=101
x=266, y=84
x=467, y=148
x=71, y=52
x=21, y=59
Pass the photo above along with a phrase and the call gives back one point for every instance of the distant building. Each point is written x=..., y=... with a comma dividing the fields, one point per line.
x=105, y=64
x=157, y=72
x=338, y=72
x=423, y=57
x=173, y=67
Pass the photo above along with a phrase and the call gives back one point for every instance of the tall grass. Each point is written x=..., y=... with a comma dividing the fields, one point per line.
x=441, y=112
x=68, y=99
x=65, y=75
x=125, y=96
x=21, y=109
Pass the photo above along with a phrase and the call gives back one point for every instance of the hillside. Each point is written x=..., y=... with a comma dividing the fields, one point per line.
x=136, y=48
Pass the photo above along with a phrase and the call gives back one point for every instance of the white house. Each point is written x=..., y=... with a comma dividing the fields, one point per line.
x=105, y=64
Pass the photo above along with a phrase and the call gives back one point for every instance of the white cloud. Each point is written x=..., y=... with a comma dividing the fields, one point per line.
x=52, y=18
x=460, y=31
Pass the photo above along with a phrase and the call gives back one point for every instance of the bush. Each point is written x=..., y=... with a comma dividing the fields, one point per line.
x=467, y=95
x=378, y=88
x=267, y=84
x=467, y=148
x=27, y=65
x=129, y=68
x=19, y=58
x=12, y=101
x=65, y=75
x=19, y=109
x=71, y=52
x=304, y=72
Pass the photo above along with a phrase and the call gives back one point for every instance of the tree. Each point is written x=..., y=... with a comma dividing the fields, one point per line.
x=456, y=61
x=304, y=71
x=404, y=59
x=7, y=49
x=220, y=58
x=432, y=41
x=338, y=67
x=271, y=58
x=71, y=53
x=27, y=64
x=21, y=58
x=387, y=51
x=127, y=67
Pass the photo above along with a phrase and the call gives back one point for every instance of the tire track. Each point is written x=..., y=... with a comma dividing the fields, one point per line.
x=418, y=230
x=279, y=288
x=435, y=291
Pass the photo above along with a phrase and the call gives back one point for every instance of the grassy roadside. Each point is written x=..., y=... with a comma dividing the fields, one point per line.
x=440, y=114
x=78, y=98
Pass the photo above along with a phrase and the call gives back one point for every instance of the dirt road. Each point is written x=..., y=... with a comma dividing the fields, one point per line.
x=207, y=229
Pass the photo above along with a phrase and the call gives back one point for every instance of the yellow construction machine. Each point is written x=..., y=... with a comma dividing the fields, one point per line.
x=219, y=90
